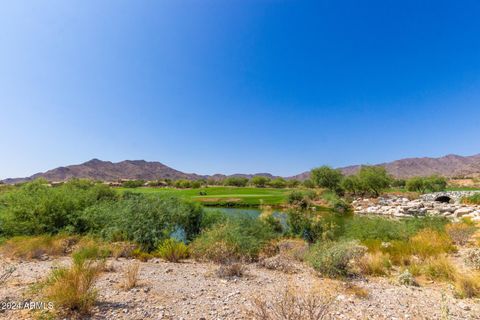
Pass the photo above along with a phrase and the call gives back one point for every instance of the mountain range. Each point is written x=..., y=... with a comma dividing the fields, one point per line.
x=449, y=166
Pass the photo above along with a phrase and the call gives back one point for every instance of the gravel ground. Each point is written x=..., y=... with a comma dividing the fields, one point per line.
x=192, y=290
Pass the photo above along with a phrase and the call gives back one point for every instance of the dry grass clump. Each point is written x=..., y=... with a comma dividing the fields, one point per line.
x=460, y=232
x=230, y=270
x=73, y=289
x=355, y=290
x=428, y=243
x=141, y=255
x=439, y=268
x=122, y=249
x=173, y=250
x=467, y=286
x=130, y=276
x=374, y=264
x=292, y=304
x=38, y=247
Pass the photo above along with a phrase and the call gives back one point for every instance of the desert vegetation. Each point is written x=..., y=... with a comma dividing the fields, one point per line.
x=88, y=223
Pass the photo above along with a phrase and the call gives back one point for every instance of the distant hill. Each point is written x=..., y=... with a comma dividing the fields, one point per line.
x=449, y=166
x=108, y=171
x=129, y=169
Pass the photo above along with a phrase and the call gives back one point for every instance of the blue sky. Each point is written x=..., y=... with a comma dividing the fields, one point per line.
x=237, y=86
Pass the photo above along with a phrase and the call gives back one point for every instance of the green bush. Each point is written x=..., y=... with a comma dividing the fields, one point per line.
x=37, y=208
x=426, y=184
x=370, y=180
x=334, y=259
x=133, y=183
x=278, y=183
x=260, y=181
x=238, y=239
x=144, y=219
x=313, y=226
x=235, y=181
x=172, y=250
x=327, y=177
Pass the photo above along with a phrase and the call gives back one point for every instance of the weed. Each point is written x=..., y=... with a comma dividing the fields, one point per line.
x=292, y=304
x=374, y=264
x=72, y=289
x=467, y=286
x=172, y=250
x=460, y=232
x=439, y=268
x=334, y=259
x=230, y=270
x=130, y=276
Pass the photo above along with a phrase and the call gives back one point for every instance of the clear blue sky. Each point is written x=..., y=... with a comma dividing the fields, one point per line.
x=237, y=86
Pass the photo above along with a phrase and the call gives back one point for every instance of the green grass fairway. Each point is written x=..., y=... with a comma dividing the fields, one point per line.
x=224, y=196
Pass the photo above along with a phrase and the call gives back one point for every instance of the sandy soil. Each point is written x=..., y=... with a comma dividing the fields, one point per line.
x=192, y=290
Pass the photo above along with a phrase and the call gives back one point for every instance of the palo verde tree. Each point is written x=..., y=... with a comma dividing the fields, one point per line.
x=327, y=177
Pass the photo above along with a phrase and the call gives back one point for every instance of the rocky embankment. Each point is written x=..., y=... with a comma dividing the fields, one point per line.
x=396, y=206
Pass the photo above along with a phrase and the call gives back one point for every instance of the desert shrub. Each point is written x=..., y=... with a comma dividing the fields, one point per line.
x=313, y=226
x=36, y=208
x=72, y=289
x=460, y=233
x=374, y=264
x=472, y=258
x=439, y=268
x=292, y=303
x=427, y=243
x=237, y=239
x=172, y=250
x=282, y=254
x=467, y=285
x=130, y=276
x=299, y=199
x=294, y=248
x=230, y=270
x=146, y=220
x=279, y=262
x=37, y=247
x=407, y=279
x=141, y=255
x=334, y=259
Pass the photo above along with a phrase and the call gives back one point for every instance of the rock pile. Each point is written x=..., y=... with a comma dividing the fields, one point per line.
x=402, y=207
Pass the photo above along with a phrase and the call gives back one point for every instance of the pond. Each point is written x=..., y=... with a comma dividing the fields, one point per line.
x=250, y=212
